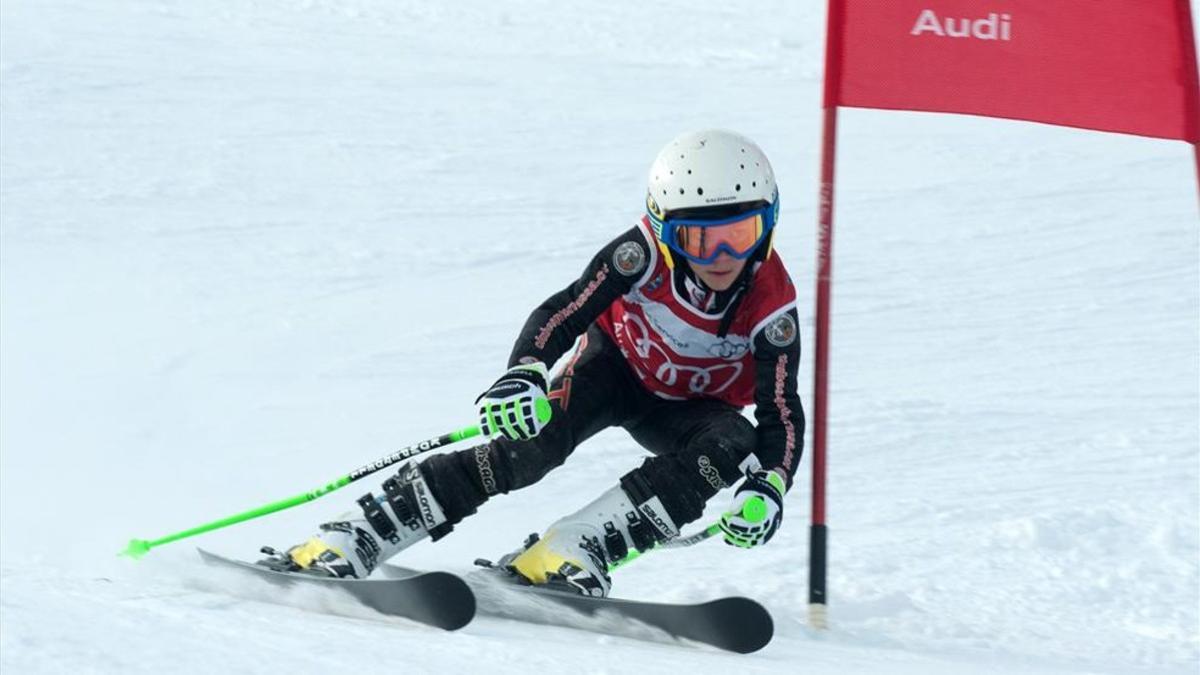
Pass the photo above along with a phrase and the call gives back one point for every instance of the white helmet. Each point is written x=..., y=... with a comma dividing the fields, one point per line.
x=707, y=168
x=712, y=175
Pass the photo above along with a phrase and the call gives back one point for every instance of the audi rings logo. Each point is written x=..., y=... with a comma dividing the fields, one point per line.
x=710, y=380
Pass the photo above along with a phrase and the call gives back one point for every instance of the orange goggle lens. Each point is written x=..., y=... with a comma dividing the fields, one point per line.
x=703, y=242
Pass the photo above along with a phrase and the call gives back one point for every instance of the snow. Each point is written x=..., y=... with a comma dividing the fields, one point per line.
x=248, y=247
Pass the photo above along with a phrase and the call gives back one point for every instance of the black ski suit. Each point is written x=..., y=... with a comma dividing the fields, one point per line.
x=697, y=444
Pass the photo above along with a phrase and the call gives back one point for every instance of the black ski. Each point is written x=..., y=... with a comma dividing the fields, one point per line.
x=438, y=599
x=736, y=624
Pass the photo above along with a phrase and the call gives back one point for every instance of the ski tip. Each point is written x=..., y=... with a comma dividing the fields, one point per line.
x=454, y=599
x=439, y=599
x=753, y=628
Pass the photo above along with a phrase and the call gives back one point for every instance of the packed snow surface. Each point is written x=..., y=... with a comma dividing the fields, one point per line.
x=247, y=247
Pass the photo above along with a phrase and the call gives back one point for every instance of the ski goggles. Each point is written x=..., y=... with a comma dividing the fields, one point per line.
x=701, y=240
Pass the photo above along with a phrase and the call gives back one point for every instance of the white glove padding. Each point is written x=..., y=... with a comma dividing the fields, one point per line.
x=757, y=510
x=516, y=405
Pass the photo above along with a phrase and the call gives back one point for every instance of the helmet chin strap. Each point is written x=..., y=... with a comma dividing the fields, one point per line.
x=733, y=295
x=741, y=288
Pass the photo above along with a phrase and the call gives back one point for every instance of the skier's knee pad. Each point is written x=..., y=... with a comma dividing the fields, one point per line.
x=504, y=465
x=686, y=480
x=663, y=477
x=717, y=451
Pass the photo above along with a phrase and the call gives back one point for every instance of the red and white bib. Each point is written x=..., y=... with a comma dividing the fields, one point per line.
x=673, y=347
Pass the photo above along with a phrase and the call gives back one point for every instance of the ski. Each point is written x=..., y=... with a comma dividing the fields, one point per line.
x=736, y=624
x=437, y=599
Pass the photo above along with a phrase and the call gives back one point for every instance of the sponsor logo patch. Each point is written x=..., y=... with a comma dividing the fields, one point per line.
x=483, y=462
x=431, y=521
x=653, y=207
x=563, y=314
x=710, y=473
x=781, y=332
x=650, y=509
x=629, y=258
x=992, y=27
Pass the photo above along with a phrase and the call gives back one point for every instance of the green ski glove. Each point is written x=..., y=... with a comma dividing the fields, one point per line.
x=757, y=510
x=516, y=405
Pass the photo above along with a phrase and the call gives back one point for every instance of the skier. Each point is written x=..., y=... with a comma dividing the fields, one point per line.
x=680, y=322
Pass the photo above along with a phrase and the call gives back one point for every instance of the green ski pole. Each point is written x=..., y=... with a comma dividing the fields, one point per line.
x=753, y=511
x=681, y=542
x=140, y=547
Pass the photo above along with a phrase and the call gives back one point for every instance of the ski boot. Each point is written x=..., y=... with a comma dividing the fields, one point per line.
x=577, y=551
x=354, y=545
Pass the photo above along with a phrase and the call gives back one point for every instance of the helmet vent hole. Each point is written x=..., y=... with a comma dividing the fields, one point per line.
x=699, y=191
x=754, y=184
x=672, y=173
x=743, y=166
x=689, y=172
x=680, y=190
x=738, y=187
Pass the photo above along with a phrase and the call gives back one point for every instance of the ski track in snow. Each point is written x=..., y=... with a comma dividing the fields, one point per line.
x=248, y=248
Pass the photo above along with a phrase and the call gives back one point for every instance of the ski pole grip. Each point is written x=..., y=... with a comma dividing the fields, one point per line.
x=754, y=510
x=542, y=408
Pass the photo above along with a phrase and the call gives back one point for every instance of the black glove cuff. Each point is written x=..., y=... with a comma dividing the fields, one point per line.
x=757, y=481
x=526, y=375
x=512, y=379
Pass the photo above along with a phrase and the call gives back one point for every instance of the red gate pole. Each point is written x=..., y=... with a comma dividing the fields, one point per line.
x=1183, y=11
x=818, y=532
